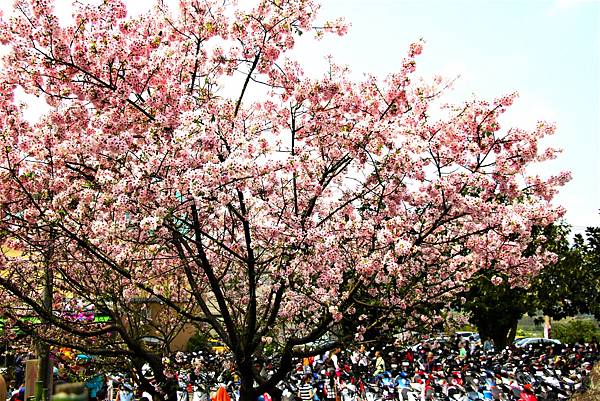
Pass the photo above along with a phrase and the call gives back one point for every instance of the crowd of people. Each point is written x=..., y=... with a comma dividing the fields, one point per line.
x=444, y=369
x=449, y=369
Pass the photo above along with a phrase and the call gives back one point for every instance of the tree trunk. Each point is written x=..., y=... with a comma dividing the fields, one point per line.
x=247, y=390
x=45, y=375
x=248, y=394
x=169, y=388
x=276, y=394
x=512, y=332
x=168, y=385
x=503, y=333
x=500, y=337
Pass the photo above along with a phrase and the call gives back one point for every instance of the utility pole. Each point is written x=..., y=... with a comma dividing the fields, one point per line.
x=547, y=326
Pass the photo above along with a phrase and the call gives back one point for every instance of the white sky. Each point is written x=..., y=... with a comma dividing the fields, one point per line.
x=547, y=50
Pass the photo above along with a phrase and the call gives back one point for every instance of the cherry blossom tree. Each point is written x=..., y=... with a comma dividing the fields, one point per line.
x=187, y=157
x=90, y=312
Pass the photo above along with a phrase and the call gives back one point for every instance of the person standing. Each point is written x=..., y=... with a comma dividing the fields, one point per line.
x=488, y=345
x=379, y=364
x=94, y=384
x=363, y=361
x=306, y=392
x=429, y=362
x=354, y=361
x=330, y=386
x=462, y=351
x=183, y=380
x=333, y=356
x=20, y=367
x=125, y=392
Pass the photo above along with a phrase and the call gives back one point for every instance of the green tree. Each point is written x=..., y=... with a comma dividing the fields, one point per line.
x=565, y=288
x=496, y=309
x=590, y=273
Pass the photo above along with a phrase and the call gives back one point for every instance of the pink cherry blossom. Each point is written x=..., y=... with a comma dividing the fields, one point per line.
x=263, y=214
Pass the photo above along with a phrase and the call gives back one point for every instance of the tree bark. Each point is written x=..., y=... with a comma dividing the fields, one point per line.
x=503, y=333
x=45, y=375
x=168, y=385
x=247, y=390
x=512, y=332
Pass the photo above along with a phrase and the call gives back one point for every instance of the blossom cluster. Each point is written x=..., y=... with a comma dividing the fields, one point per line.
x=269, y=216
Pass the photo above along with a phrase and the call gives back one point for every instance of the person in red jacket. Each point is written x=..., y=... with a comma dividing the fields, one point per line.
x=527, y=394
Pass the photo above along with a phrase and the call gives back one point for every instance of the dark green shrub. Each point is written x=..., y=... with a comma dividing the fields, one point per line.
x=573, y=330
